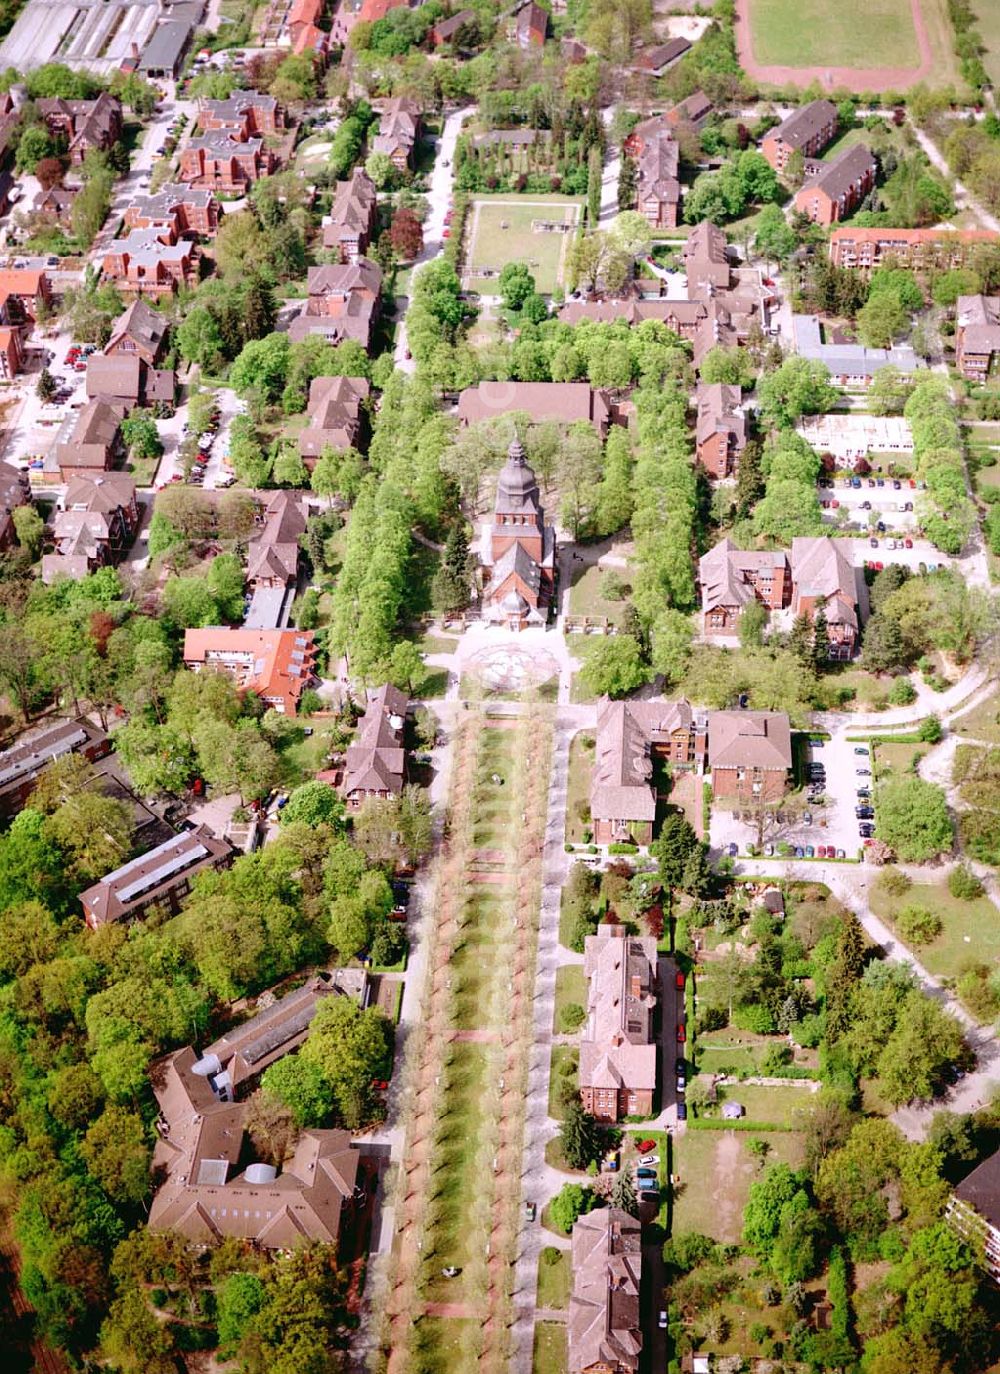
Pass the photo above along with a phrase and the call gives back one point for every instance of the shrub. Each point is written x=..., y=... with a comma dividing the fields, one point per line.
x=917, y=924
x=964, y=885
x=620, y=848
x=894, y=883
x=613, y=586
x=902, y=692
x=572, y=1017
x=930, y=730
x=755, y=1018
x=551, y=1256
x=977, y=994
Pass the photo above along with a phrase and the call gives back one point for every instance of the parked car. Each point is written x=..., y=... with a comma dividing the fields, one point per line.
x=679, y=980
x=530, y=1211
x=807, y=818
x=662, y=1323
x=873, y=543
x=810, y=852
x=866, y=831
x=682, y=1111
x=680, y=1065
x=650, y=1159
x=734, y=849
x=861, y=749
x=681, y=1083
x=681, y=1033
x=863, y=772
x=841, y=854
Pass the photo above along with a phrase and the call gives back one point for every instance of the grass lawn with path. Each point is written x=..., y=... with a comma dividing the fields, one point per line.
x=897, y=758
x=982, y=722
x=851, y=33
x=555, y=1277
x=550, y=1355
x=585, y=596
x=716, y=1169
x=971, y=930
x=571, y=987
x=501, y=230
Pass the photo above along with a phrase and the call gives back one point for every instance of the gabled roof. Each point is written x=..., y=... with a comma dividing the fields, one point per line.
x=804, y=123
x=719, y=410
x=344, y=278
x=118, y=376
x=749, y=739
x=106, y=493
x=621, y=786
x=979, y=319
x=837, y=177
x=141, y=323
x=981, y=1189
x=604, y=1323
x=821, y=569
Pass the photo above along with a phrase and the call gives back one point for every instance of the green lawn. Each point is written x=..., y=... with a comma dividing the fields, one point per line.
x=983, y=722
x=500, y=231
x=487, y=941
x=971, y=930
x=898, y=758
x=550, y=1353
x=851, y=33
x=554, y=1279
x=581, y=767
x=775, y=1106
x=987, y=14
x=448, y=1342
x=571, y=986
x=585, y=597
x=715, y=1170
x=564, y=1067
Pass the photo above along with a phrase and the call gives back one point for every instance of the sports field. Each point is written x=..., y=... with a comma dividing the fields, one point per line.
x=513, y=230
x=987, y=14
x=848, y=33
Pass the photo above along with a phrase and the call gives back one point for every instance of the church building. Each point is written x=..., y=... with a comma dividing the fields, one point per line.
x=518, y=549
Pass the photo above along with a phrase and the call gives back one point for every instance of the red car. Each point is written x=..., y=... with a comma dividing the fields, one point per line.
x=681, y=1033
x=678, y=979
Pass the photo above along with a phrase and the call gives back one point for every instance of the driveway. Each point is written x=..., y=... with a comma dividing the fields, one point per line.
x=438, y=199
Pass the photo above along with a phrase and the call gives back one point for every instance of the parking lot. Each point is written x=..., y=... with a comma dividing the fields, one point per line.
x=821, y=816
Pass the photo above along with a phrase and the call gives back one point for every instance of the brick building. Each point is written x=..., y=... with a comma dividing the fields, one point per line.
x=749, y=754
x=337, y=412
x=604, y=1326
x=275, y=664
x=348, y=228
x=189, y=211
x=343, y=302
x=834, y=190
x=518, y=549
x=95, y=523
x=807, y=130
x=84, y=124
x=151, y=262
x=617, y=1044
x=376, y=760
x=631, y=737
x=731, y=578
x=720, y=429
x=158, y=880
x=398, y=131
x=977, y=336
x=922, y=250
x=23, y=763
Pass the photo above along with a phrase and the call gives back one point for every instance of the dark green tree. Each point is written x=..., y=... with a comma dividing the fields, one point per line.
x=580, y=1136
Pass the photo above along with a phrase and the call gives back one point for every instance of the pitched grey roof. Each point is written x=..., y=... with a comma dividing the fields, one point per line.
x=749, y=739
x=838, y=176
x=804, y=123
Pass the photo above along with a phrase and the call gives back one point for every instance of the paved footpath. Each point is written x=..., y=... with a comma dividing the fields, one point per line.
x=537, y=1185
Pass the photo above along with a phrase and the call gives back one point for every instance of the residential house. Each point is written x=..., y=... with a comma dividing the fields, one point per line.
x=84, y=124
x=834, y=190
x=657, y=60
x=631, y=737
x=349, y=227
x=974, y=1211
x=604, y=1327
x=683, y=317
x=303, y=28
x=749, y=754
x=531, y=24
x=519, y=549
x=246, y=114
x=201, y=1139
x=398, y=131
x=273, y=563
x=445, y=30
x=336, y=410
x=151, y=262
x=823, y=576
x=239, y=1057
x=190, y=211
x=721, y=428
x=11, y=351
x=15, y=490
x=56, y=204
x=807, y=130
x=275, y=664
x=658, y=196
x=564, y=402
x=644, y=133
x=343, y=302
x=731, y=578
x=23, y=292
x=225, y=163
x=95, y=443
x=618, y=1047
x=922, y=250
x=706, y=259
x=850, y=364
x=140, y=331
x=22, y=764
x=376, y=761
x=977, y=336
x=95, y=522
x=158, y=880
x=694, y=111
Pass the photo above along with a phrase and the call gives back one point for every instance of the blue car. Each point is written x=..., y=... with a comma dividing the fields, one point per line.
x=799, y=852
